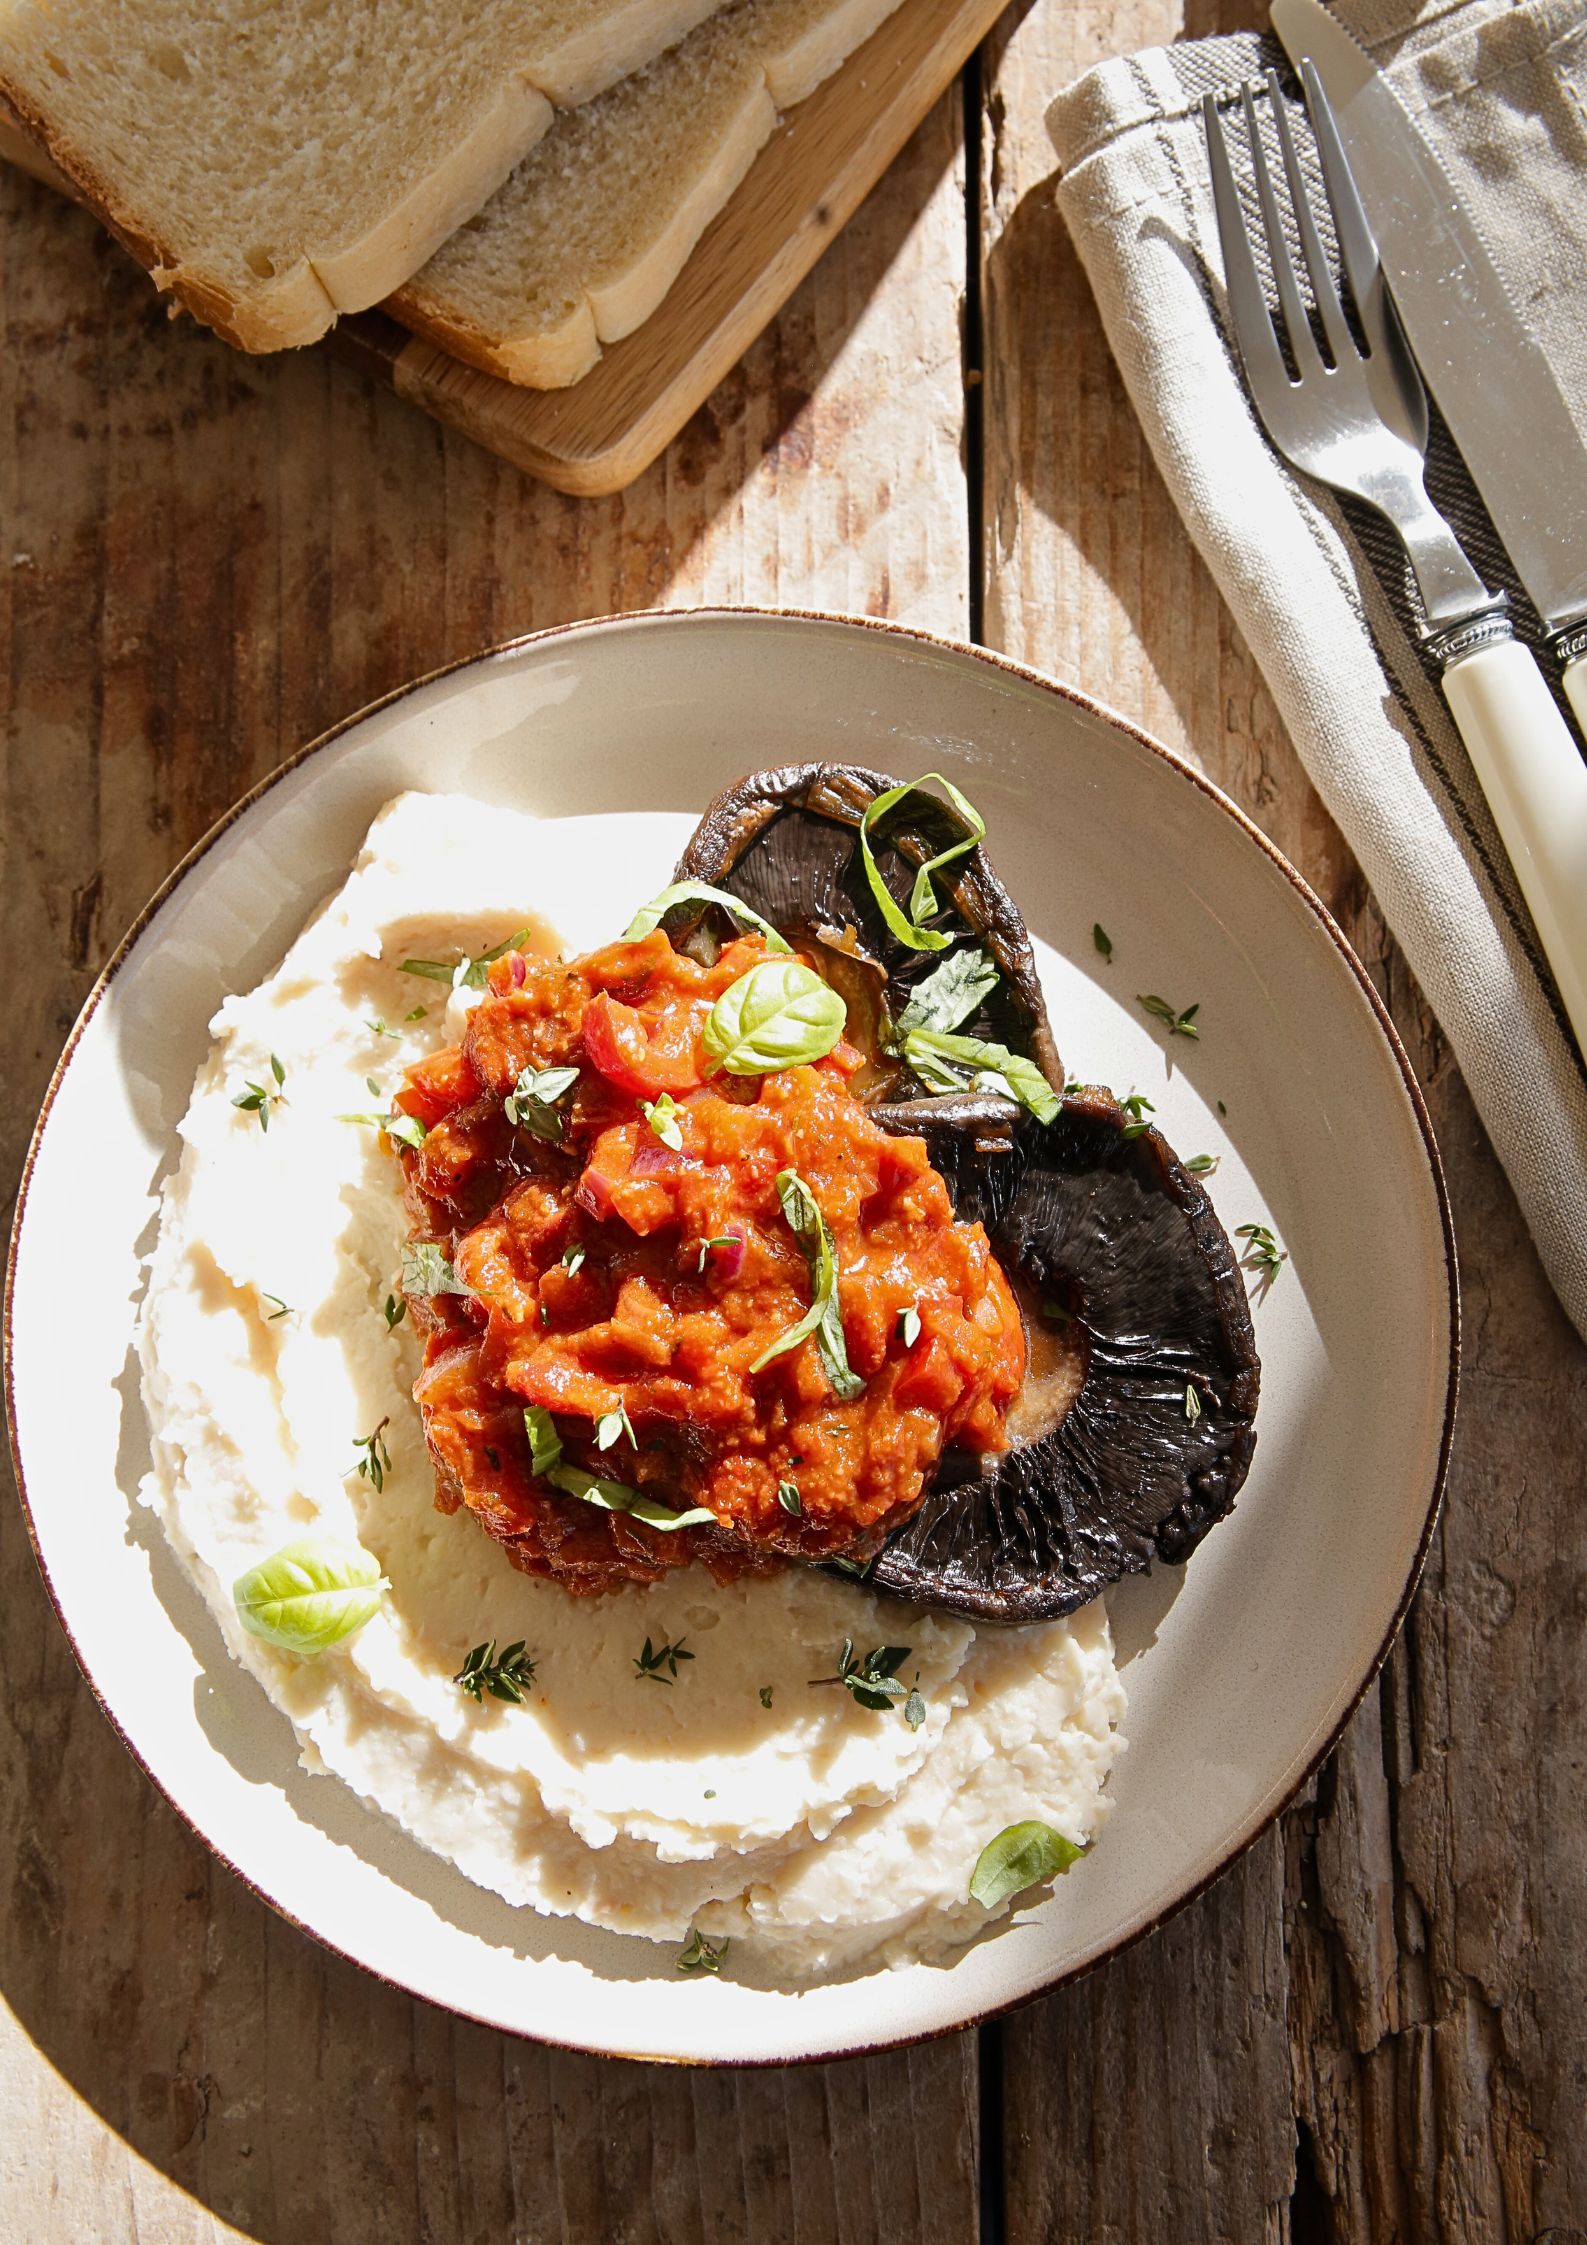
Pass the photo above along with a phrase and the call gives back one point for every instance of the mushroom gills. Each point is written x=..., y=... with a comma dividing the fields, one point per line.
x=787, y=841
x=1134, y=1460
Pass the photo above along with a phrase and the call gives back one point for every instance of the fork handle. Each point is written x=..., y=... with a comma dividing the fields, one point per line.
x=1535, y=780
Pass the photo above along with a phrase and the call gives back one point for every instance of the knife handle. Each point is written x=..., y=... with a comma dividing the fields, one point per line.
x=1535, y=780
x=1574, y=675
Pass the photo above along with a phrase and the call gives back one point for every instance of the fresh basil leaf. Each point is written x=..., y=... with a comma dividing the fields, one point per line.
x=617, y=1496
x=951, y=992
x=530, y=1105
x=778, y=1015
x=1021, y=1856
x=823, y=1318
x=310, y=1594
x=426, y=1269
x=931, y=1053
x=923, y=897
x=545, y=1444
x=650, y=916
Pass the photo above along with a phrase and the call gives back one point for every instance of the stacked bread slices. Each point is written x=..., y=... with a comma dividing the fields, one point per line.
x=521, y=179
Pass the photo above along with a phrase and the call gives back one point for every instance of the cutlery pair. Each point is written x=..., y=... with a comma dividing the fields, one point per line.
x=1353, y=414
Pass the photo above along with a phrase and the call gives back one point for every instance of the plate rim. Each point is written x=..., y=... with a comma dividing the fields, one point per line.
x=638, y=620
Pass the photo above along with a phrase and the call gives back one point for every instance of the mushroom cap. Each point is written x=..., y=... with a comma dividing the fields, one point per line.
x=1096, y=1214
x=787, y=841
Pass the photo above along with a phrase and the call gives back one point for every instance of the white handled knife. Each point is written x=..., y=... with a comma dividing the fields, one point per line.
x=1494, y=387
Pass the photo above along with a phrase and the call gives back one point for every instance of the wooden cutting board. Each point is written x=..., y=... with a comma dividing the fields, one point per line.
x=813, y=173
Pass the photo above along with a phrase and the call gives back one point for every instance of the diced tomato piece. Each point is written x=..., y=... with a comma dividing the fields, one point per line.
x=843, y=1059
x=437, y=1087
x=932, y=1382
x=640, y=1060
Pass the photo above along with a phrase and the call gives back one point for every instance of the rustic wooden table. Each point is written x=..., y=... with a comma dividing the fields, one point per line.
x=1375, y=2026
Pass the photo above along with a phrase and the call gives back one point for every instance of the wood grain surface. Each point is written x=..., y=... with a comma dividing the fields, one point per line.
x=1375, y=2026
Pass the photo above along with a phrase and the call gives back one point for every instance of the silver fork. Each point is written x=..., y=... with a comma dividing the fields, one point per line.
x=1359, y=424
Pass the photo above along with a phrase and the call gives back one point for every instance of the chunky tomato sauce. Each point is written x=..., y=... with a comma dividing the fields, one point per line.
x=608, y=1271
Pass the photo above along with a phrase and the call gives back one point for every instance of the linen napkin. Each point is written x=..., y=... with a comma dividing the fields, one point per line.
x=1319, y=587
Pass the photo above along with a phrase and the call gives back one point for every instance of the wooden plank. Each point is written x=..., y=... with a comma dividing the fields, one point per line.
x=1376, y=2026
x=207, y=559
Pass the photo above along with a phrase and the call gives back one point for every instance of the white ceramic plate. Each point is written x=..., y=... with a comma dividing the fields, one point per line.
x=1241, y=1668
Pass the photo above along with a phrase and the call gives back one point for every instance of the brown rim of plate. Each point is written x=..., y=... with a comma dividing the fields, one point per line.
x=639, y=621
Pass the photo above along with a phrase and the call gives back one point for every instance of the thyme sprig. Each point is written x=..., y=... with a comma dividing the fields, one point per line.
x=375, y=1463
x=506, y=1675
x=873, y=1681
x=258, y=1099
x=1179, y=1024
x=1263, y=1253
x=702, y=1955
x=659, y=1663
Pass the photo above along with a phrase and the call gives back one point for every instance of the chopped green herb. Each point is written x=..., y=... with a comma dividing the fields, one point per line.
x=873, y=1681
x=258, y=1099
x=545, y=1312
x=427, y=1269
x=310, y=1594
x=710, y=1792
x=375, y=1463
x=617, y=1496
x=923, y=897
x=765, y=1695
x=1022, y=1855
x=572, y=1258
x=824, y=1317
x=914, y=1710
x=506, y=1676
x=659, y=1664
x=789, y=1498
x=395, y=1312
x=1054, y=1313
x=531, y=1103
x=909, y=1325
x=612, y=1426
x=700, y=1955
x=1203, y=1165
x=662, y=1116
x=377, y=1028
x=407, y=1130
x=1223, y=1110
x=1103, y=941
x=464, y=973
x=1137, y=1106
x=946, y=998
x=1179, y=1024
x=1192, y=1405
x=650, y=916
x=723, y=1239
x=778, y=1015
x=861, y=1571
x=1264, y=1253
x=282, y=1309
x=419, y=1013
x=946, y=1063
x=545, y=1444
x=372, y=1087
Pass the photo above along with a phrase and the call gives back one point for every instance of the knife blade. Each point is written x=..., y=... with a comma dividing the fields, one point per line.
x=1494, y=387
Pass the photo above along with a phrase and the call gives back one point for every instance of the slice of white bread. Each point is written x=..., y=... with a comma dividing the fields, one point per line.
x=274, y=162
x=592, y=229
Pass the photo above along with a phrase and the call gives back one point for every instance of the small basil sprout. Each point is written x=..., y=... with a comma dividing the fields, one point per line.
x=778, y=1015
x=1021, y=1856
x=310, y=1594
